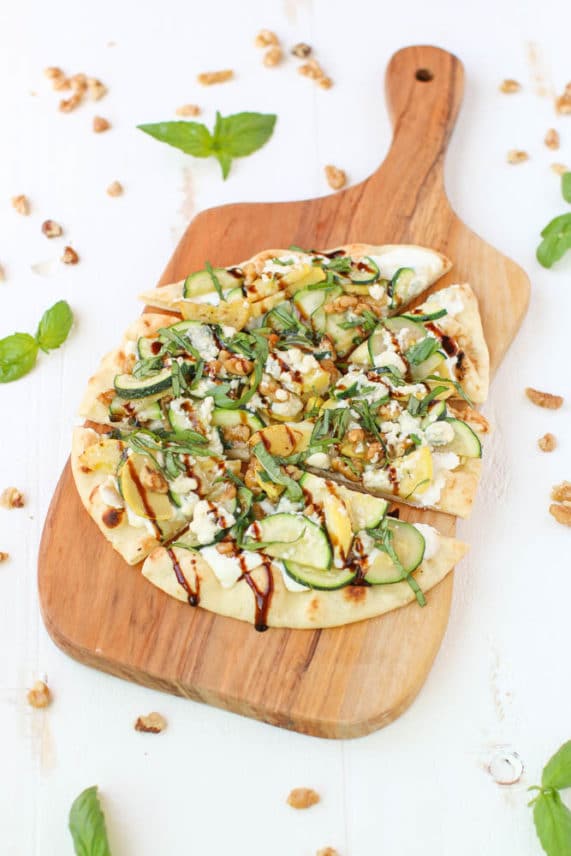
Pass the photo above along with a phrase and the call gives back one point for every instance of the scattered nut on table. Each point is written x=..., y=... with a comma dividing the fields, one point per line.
x=562, y=493
x=547, y=443
x=69, y=257
x=559, y=168
x=4, y=557
x=208, y=78
x=11, y=497
x=509, y=86
x=551, y=139
x=563, y=102
x=188, y=110
x=301, y=50
x=327, y=851
x=562, y=513
x=303, y=798
x=517, y=156
x=95, y=88
x=336, y=178
x=152, y=723
x=265, y=39
x=544, y=399
x=51, y=229
x=39, y=695
x=100, y=124
x=273, y=56
x=115, y=189
x=21, y=204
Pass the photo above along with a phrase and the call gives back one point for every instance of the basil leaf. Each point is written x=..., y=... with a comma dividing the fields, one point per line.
x=275, y=474
x=552, y=823
x=215, y=280
x=556, y=240
x=422, y=350
x=557, y=771
x=242, y=133
x=18, y=354
x=54, y=326
x=225, y=161
x=566, y=186
x=194, y=138
x=87, y=825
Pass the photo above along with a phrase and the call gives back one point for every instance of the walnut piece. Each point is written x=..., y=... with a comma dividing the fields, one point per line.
x=61, y=83
x=551, y=139
x=336, y=178
x=188, y=110
x=66, y=105
x=563, y=103
x=100, y=124
x=301, y=50
x=115, y=189
x=517, y=156
x=95, y=88
x=313, y=70
x=562, y=513
x=4, y=557
x=273, y=56
x=39, y=695
x=11, y=497
x=153, y=480
x=327, y=851
x=51, y=229
x=562, y=493
x=510, y=86
x=52, y=72
x=547, y=443
x=78, y=83
x=559, y=168
x=208, y=78
x=303, y=798
x=152, y=723
x=265, y=39
x=22, y=204
x=69, y=256
x=544, y=399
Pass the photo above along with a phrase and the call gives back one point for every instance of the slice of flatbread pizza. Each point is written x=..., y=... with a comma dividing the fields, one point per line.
x=319, y=556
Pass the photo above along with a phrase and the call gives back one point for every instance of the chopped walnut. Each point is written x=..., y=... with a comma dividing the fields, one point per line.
x=188, y=110
x=78, y=83
x=273, y=56
x=562, y=493
x=238, y=365
x=51, y=229
x=69, y=256
x=52, y=72
x=517, y=156
x=327, y=851
x=22, y=204
x=510, y=86
x=313, y=70
x=40, y=695
x=11, y=497
x=325, y=82
x=562, y=513
x=265, y=39
x=208, y=78
x=303, y=798
x=547, y=443
x=301, y=50
x=559, y=168
x=61, y=83
x=153, y=480
x=544, y=399
x=95, y=89
x=66, y=105
x=551, y=139
x=225, y=548
x=152, y=723
x=115, y=189
x=336, y=178
x=563, y=103
x=4, y=557
x=100, y=124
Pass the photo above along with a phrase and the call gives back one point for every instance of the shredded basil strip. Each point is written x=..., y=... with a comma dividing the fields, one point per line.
x=422, y=350
x=215, y=280
x=426, y=316
x=275, y=474
x=383, y=537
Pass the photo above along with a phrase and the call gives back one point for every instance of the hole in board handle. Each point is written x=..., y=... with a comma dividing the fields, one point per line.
x=424, y=75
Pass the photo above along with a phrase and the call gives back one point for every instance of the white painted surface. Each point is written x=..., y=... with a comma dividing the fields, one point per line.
x=215, y=783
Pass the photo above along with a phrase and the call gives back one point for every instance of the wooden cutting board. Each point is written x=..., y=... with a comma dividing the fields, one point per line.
x=342, y=682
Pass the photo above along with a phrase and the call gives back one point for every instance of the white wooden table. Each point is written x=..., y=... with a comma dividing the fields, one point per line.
x=214, y=783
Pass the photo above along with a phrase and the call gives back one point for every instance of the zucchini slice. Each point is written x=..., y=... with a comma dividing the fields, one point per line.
x=128, y=386
x=308, y=300
x=399, y=286
x=466, y=442
x=148, y=348
x=409, y=546
x=436, y=410
x=427, y=367
x=320, y=580
x=144, y=502
x=227, y=418
x=201, y=282
x=141, y=410
x=364, y=272
x=294, y=538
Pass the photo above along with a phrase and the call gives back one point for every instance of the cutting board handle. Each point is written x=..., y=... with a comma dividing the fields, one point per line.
x=424, y=86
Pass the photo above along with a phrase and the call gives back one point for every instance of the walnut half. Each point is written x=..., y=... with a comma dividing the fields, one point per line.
x=301, y=798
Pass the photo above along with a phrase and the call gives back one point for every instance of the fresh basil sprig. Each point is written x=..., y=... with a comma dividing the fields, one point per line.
x=18, y=352
x=87, y=825
x=551, y=816
x=557, y=234
x=235, y=136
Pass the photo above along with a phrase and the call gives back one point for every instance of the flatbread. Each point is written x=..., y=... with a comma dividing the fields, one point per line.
x=304, y=609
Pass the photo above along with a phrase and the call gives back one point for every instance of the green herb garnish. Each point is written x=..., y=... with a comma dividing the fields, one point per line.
x=87, y=825
x=566, y=186
x=383, y=538
x=422, y=350
x=275, y=474
x=19, y=352
x=557, y=234
x=341, y=264
x=235, y=136
x=551, y=816
x=426, y=316
x=215, y=281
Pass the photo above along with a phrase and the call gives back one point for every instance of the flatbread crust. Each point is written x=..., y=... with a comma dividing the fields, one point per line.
x=301, y=610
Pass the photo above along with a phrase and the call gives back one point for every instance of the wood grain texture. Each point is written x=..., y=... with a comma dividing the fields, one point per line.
x=343, y=682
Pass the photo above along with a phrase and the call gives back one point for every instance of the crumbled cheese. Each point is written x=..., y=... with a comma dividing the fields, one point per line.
x=255, y=403
x=431, y=540
x=180, y=413
x=390, y=358
x=188, y=503
x=140, y=522
x=202, y=339
x=271, y=267
x=377, y=479
x=376, y=292
x=289, y=408
x=204, y=524
x=319, y=459
x=281, y=395
x=109, y=493
x=203, y=387
x=299, y=361
x=228, y=332
x=229, y=569
x=439, y=433
x=286, y=506
x=183, y=484
x=130, y=348
x=442, y=463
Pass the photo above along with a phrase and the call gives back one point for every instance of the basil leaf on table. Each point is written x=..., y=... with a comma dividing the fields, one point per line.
x=566, y=186
x=87, y=825
x=553, y=823
x=557, y=771
x=18, y=354
x=54, y=326
x=235, y=136
x=556, y=240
